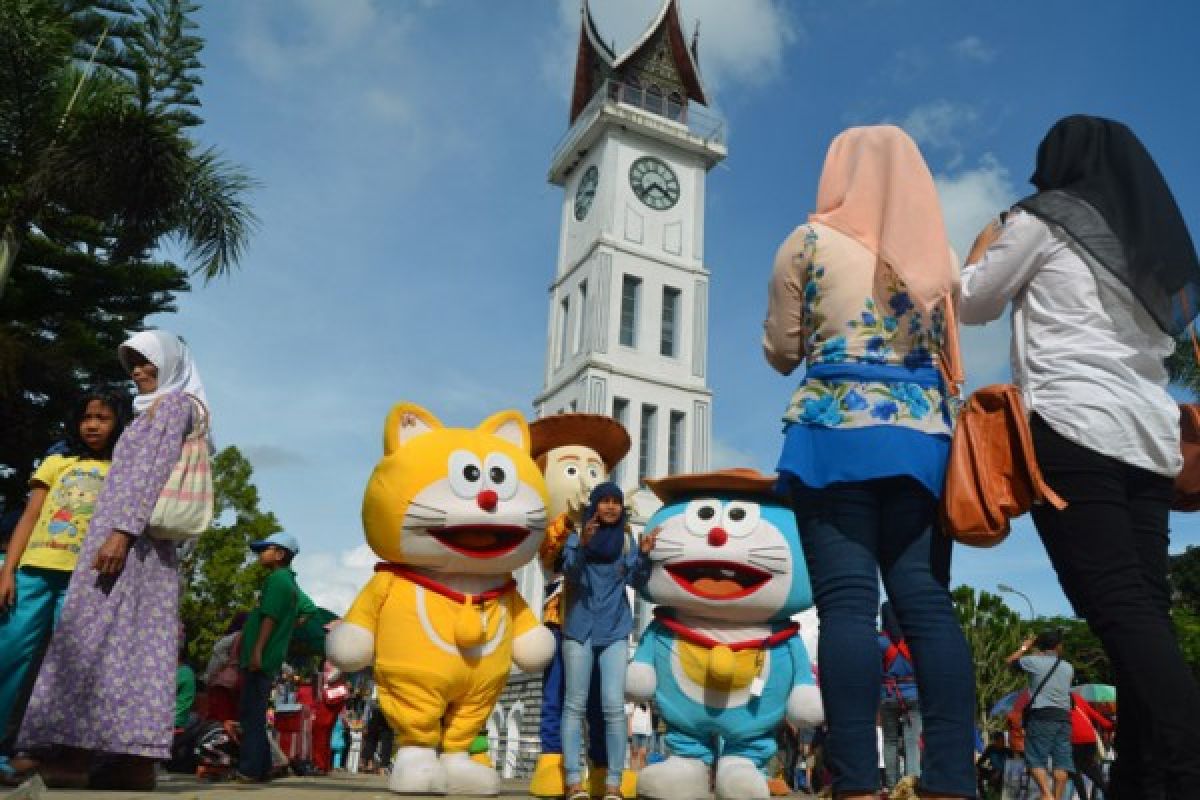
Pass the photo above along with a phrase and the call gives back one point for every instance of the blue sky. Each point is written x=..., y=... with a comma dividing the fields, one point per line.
x=409, y=234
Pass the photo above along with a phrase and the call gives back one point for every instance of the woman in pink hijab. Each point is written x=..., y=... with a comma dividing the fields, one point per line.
x=857, y=296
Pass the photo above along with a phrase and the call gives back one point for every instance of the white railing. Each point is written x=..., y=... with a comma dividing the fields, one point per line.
x=669, y=112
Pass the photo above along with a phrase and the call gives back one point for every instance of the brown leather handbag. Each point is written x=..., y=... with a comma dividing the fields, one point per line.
x=1187, y=483
x=993, y=474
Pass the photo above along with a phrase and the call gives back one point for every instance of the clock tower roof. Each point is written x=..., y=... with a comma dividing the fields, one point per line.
x=596, y=63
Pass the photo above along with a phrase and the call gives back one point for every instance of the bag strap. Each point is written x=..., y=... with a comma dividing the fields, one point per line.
x=1041, y=489
x=1045, y=678
x=201, y=429
x=950, y=357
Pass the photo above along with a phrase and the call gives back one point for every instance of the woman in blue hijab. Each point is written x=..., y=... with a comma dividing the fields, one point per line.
x=598, y=567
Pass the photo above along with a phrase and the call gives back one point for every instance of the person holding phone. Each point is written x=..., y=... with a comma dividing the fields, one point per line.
x=599, y=562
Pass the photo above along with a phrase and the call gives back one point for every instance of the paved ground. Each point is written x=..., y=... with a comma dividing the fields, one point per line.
x=337, y=787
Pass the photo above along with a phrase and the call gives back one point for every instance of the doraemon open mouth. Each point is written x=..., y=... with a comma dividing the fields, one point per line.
x=718, y=580
x=481, y=541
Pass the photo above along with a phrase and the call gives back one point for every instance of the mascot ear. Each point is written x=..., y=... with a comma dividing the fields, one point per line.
x=508, y=425
x=405, y=421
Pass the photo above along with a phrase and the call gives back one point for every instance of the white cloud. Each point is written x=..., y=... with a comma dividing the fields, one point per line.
x=325, y=30
x=943, y=126
x=333, y=580
x=725, y=455
x=740, y=43
x=269, y=456
x=388, y=105
x=972, y=48
x=969, y=199
x=907, y=64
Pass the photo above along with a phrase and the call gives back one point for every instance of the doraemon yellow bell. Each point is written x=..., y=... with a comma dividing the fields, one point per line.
x=451, y=512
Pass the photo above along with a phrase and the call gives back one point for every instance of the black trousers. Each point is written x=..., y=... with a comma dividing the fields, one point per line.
x=1109, y=548
x=1086, y=760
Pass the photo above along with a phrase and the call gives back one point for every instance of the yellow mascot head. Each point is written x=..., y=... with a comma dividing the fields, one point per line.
x=457, y=500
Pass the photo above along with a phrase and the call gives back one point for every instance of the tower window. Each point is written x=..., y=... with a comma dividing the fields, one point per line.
x=564, y=328
x=675, y=106
x=654, y=99
x=581, y=331
x=675, y=443
x=669, y=340
x=646, y=437
x=631, y=292
x=620, y=413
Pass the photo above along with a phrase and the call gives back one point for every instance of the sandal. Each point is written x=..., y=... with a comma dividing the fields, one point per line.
x=613, y=794
x=577, y=792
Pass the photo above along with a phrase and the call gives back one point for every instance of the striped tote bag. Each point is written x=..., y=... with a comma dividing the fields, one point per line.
x=185, y=505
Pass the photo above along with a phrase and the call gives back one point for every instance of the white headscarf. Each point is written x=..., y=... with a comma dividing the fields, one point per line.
x=177, y=371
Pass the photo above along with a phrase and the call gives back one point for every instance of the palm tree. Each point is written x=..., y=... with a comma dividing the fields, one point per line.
x=107, y=139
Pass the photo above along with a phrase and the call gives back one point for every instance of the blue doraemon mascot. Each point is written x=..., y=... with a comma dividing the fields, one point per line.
x=722, y=658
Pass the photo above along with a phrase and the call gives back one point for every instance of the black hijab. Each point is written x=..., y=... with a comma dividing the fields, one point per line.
x=1097, y=182
x=608, y=541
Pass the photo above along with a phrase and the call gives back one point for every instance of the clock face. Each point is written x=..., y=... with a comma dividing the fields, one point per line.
x=586, y=192
x=654, y=183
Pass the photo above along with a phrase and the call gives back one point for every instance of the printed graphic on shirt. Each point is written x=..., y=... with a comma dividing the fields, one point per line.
x=70, y=503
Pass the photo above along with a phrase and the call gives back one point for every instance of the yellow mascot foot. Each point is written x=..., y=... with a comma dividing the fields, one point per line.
x=629, y=784
x=596, y=780
x=548, y=779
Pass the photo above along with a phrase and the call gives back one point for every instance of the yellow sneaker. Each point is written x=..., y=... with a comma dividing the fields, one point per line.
x=548, y=779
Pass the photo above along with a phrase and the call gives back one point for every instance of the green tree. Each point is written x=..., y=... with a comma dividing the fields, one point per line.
x=93, y=175
x=1187, y=629
x=218, y=577
x=111, y=143
x=1184, y=573
x=993, y=631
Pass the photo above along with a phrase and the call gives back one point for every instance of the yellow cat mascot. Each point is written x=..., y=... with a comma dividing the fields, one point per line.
x=452, y=512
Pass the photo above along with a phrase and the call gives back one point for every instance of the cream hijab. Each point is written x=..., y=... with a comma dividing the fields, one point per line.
x=876, y=189
x=177, y=370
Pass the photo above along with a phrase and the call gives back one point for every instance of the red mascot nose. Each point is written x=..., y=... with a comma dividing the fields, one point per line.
x=487, y=500
x=717, y=537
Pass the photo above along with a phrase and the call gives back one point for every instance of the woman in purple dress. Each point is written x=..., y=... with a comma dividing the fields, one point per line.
x=107, y=686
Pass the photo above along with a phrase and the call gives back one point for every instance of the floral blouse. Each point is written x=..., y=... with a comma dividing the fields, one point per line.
x=870, y=352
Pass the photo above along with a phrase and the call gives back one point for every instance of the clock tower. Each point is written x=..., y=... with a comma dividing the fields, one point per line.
x=629, y=300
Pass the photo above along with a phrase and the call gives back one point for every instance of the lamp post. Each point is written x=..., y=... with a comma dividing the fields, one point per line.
x=1004, y=587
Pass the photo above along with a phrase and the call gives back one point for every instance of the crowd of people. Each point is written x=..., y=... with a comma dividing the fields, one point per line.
x=1101, y=277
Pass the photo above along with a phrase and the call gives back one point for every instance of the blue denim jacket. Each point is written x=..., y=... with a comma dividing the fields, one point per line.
x=597, y=605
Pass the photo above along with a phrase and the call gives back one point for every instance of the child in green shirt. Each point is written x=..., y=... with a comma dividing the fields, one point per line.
x=265, y=639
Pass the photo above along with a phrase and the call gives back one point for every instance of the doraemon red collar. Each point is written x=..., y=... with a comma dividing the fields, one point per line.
x=426, y=582
x=694, y=636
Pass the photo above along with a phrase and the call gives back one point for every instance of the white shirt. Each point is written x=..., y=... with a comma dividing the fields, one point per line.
x=640, y=722
x=1085, y=352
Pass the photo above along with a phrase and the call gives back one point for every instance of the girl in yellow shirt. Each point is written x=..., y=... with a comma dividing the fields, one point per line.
x=45, y=544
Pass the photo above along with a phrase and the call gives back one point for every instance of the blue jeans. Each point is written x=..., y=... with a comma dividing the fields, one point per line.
x=255, y=761
x=901, y=724
x=852, y=534
x=579, y=658
x=24, y=629
x=550, y=724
